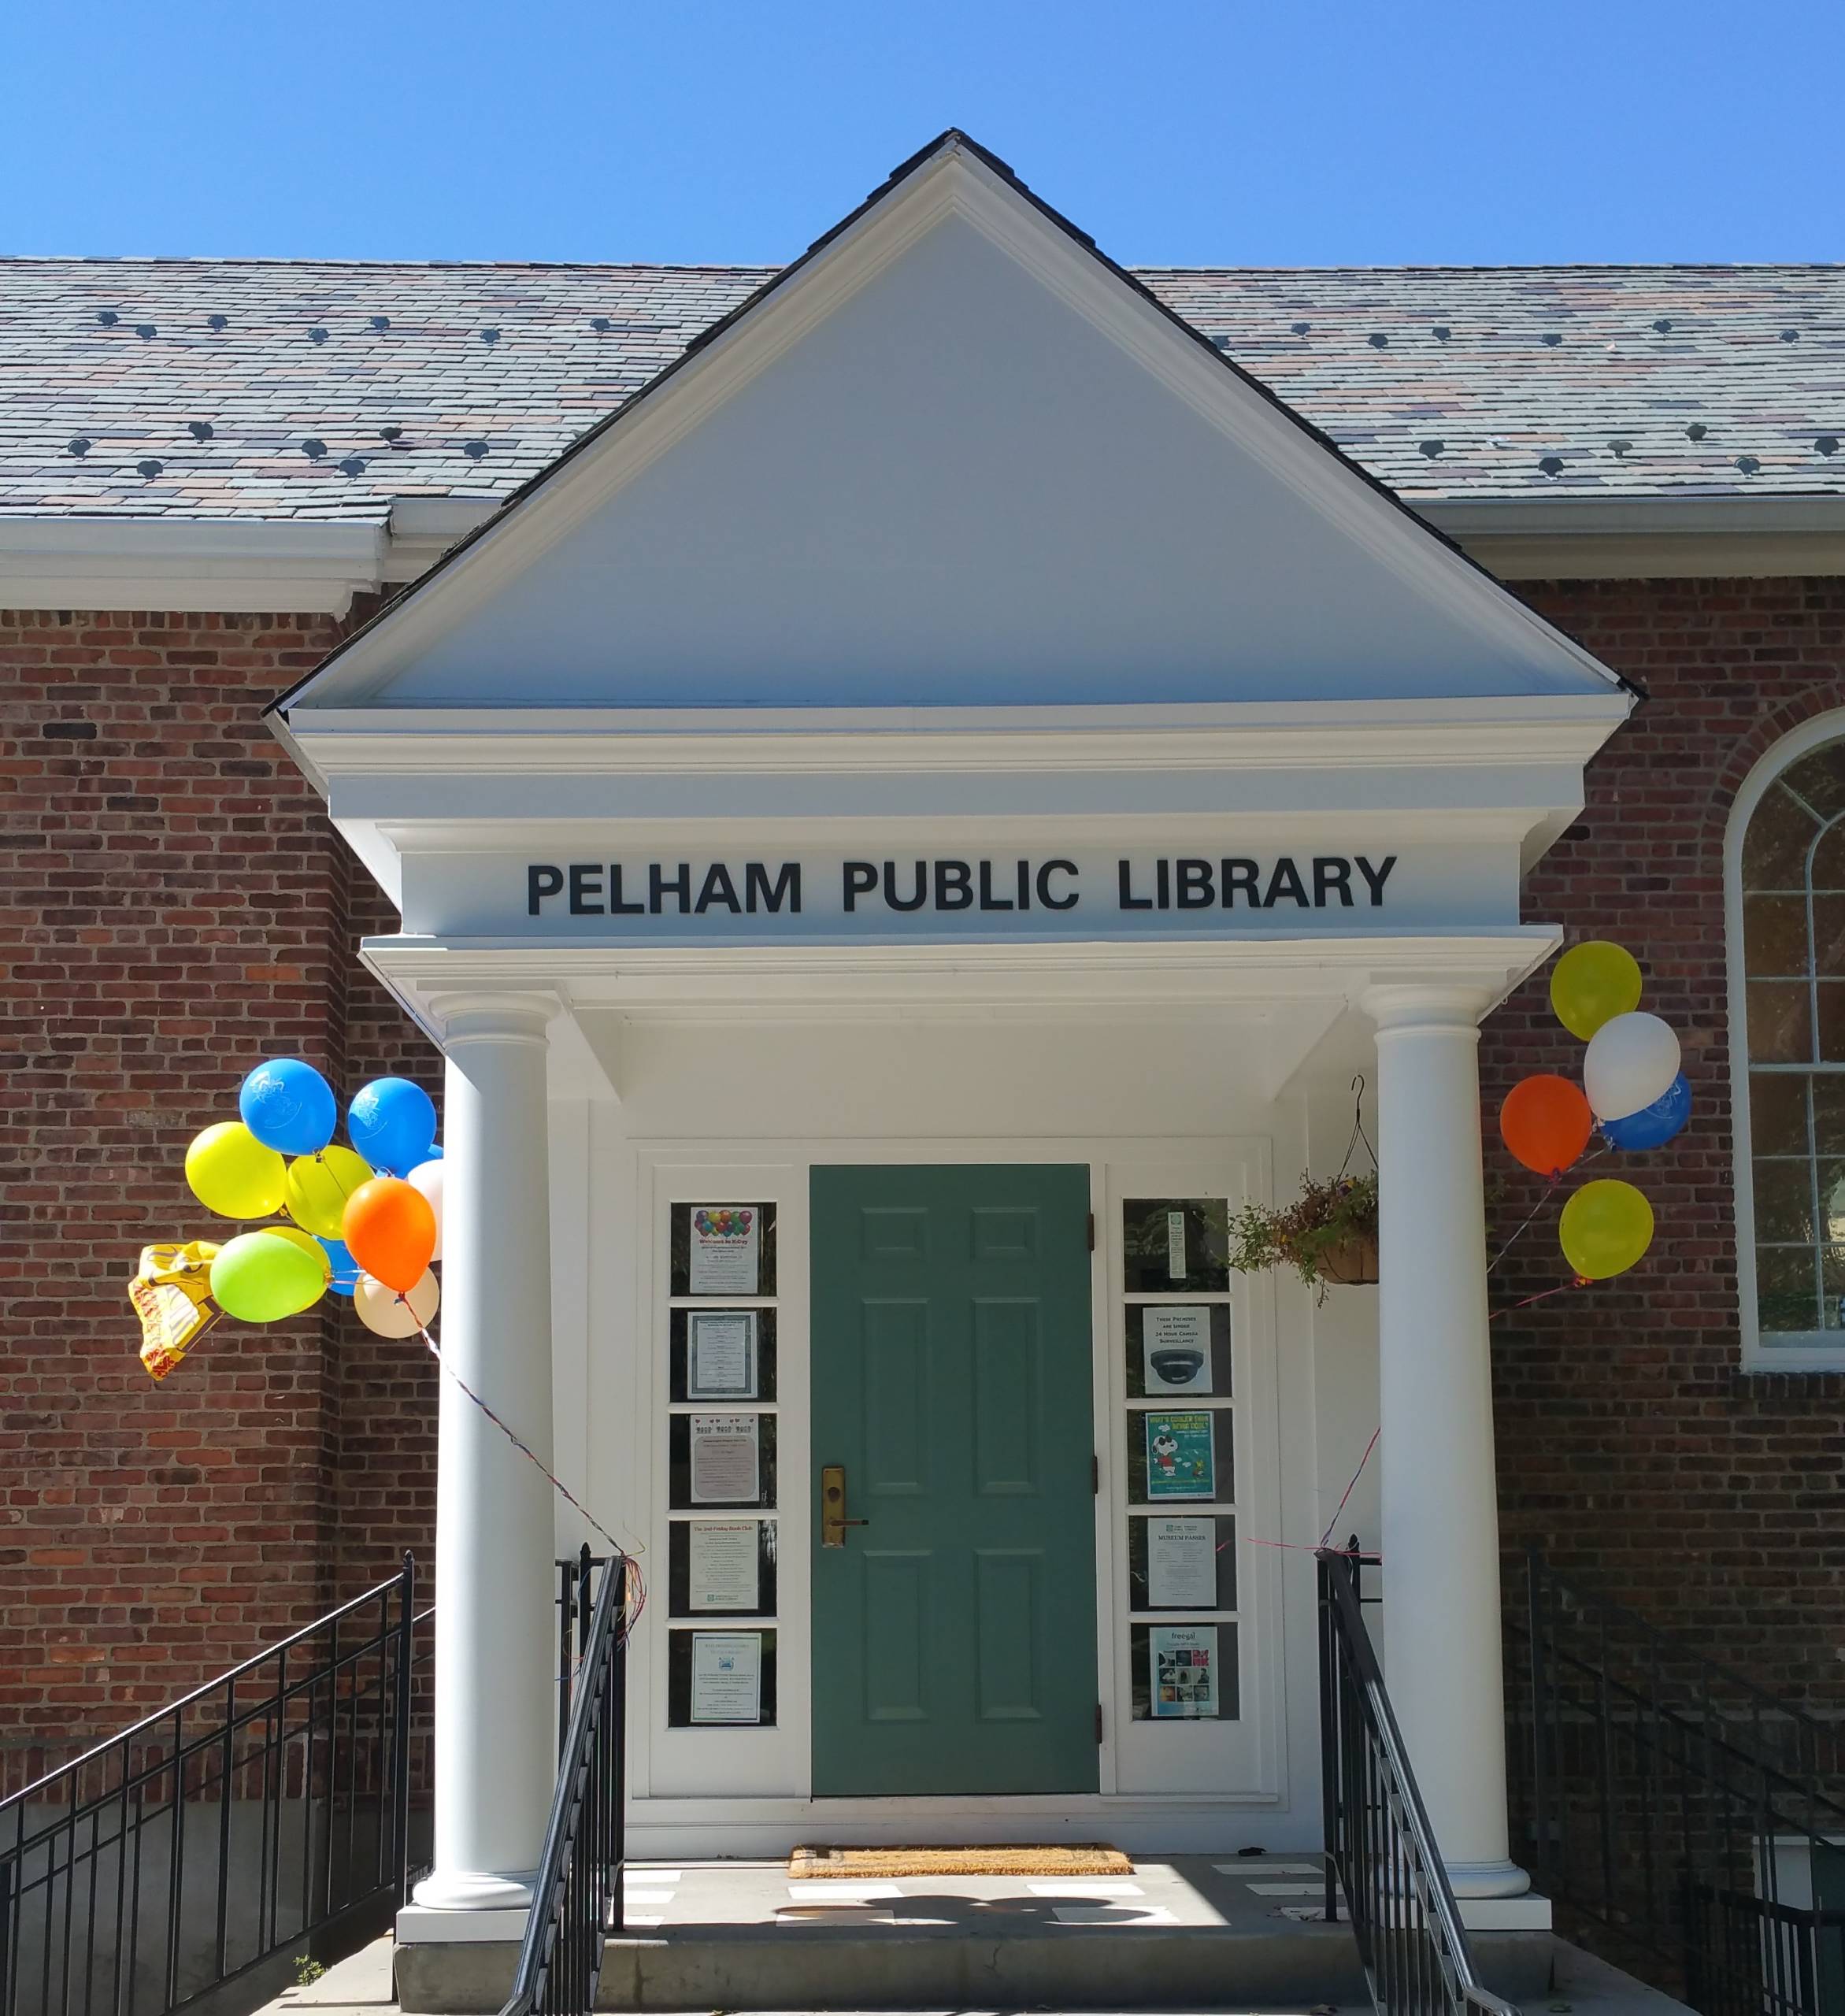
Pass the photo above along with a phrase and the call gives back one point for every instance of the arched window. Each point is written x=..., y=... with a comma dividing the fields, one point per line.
x=1787, y=891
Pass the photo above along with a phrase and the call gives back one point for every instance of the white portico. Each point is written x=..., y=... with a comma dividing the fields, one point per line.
x=952, y=748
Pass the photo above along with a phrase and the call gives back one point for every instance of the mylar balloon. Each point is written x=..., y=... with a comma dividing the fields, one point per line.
x=1630, y=1062
x=289, y=1106
x=391, y=1123
x=231, y=1171
x=387, y=1313
x=1654, y=1125
x=1606, y=1227
x=1592, y=984
x=318, y=1187
x=346, y=1269
x=427, y=1177
x=260, y=1278
x=390, y=1230
x=1546, y=1122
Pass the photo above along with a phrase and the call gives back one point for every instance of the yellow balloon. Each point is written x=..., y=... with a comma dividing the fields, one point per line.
x=1606, y=1227
x=232, y=1173
x=306, y=1241
x=319, y=1185
x=1592, y=984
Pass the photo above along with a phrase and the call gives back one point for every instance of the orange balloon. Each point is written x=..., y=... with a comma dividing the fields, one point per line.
x=390, y=1230
x=1546, y=1122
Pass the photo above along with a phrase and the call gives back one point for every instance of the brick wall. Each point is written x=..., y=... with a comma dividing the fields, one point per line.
x=1630, y=1444
x=175, y=905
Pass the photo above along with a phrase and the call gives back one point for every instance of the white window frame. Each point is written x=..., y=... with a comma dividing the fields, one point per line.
x=1794, y=1351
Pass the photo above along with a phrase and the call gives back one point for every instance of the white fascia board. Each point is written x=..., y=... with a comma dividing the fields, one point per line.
x=953, y=182
x=232, y=564
x=549, y=743
x=306, y=566
x=1650, y=537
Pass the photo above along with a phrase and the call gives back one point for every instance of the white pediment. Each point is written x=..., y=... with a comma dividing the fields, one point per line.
x=952, y=459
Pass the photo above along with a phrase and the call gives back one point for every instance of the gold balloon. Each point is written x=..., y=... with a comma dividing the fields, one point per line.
x=1592, y=984
x=319, y=1185
x=1606, y=1227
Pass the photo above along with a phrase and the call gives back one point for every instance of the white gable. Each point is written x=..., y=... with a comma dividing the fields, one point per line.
x=954, y=459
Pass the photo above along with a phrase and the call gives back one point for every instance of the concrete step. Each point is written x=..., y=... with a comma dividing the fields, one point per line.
x=1074, y=1967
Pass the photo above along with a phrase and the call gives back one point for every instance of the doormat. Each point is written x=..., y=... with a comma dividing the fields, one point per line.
x=1090, y=1859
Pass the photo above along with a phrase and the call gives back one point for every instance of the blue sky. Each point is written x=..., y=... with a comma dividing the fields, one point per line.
x=1262, y=132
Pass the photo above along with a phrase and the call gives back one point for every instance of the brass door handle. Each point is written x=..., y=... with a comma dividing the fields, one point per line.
x=833, y=1522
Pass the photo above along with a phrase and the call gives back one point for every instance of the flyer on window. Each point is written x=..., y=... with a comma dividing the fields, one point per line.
x=725, y=1459
x=1182, y=1564
x=726, y=1249
x=721, y=1357
x=1180, y=1462
x=1183, y=1676
x=727, y=1676
x=1175, y=1245
x=722, y=1565
x=1175, y=1348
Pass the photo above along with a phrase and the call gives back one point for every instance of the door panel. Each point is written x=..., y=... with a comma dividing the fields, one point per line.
x=954, y=1632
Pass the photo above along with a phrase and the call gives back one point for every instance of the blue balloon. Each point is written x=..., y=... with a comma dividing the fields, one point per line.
x=435, y=1154
x=1654, y=1125
x=288, y=1106
x=346, y=1269
x=391, y=1123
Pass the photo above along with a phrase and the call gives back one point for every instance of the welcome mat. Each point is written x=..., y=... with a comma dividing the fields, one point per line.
x=1089, y=1858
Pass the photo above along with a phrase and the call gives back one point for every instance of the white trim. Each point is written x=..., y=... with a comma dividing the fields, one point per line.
x=1654, y=537
x=232, y=566
x=953, y=182
x=1802, y=1351
x=598, y=742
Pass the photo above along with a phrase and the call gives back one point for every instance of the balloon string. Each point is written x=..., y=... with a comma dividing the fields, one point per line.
x=1552, y=1183
x=1353, y=1486
x=1577, y=1281
x=524, y=1448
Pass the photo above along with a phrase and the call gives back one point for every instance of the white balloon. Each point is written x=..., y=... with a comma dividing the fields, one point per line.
x=427, y=1177
x=387, y=1313
x=1630, y=1062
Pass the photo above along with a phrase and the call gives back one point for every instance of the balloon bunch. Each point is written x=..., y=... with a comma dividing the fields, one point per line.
x=364, y=1221
x=1633, y=1094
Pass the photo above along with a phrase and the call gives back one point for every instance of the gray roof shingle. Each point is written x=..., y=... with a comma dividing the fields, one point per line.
x=260, y=389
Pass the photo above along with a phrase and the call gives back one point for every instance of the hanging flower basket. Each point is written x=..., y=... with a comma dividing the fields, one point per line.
x=1351, y=1263
x=1327, y=1235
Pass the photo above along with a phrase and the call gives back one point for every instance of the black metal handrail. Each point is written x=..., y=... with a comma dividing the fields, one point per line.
x=1667, y=1799
x=122, y=1893
x=1380, y=1849
x=577, y=1896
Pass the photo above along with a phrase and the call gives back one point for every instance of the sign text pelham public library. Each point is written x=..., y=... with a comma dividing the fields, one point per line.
x=882, y=889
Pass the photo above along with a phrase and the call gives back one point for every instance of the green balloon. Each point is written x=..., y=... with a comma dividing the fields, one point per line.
x=259, y=1278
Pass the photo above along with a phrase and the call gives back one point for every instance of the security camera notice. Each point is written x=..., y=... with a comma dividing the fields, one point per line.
x=1016, y=891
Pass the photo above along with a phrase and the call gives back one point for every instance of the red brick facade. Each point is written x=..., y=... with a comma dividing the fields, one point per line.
x=1631, y=1442
x=177, y=905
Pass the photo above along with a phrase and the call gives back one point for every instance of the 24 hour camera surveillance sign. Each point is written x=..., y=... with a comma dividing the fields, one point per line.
x=1079, y=893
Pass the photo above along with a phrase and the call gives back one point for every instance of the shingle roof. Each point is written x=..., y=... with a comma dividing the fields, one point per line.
x=229, y=388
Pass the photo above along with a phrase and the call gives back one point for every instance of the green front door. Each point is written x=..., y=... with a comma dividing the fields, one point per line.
x=955, y=1631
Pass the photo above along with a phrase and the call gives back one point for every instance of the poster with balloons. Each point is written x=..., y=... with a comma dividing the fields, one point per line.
x=312, y=1216
x=1632, y=1097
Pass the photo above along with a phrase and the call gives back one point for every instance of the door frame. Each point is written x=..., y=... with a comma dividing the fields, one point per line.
x=764, y=1779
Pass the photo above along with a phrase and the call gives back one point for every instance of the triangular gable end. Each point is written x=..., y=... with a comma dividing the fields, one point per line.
x=951, y=456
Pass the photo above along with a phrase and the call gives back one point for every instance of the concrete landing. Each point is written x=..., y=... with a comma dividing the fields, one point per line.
x=1192, y=1932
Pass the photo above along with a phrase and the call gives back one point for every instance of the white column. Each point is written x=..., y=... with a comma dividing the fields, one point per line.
x=495, y=1727
x=1440, y=1509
